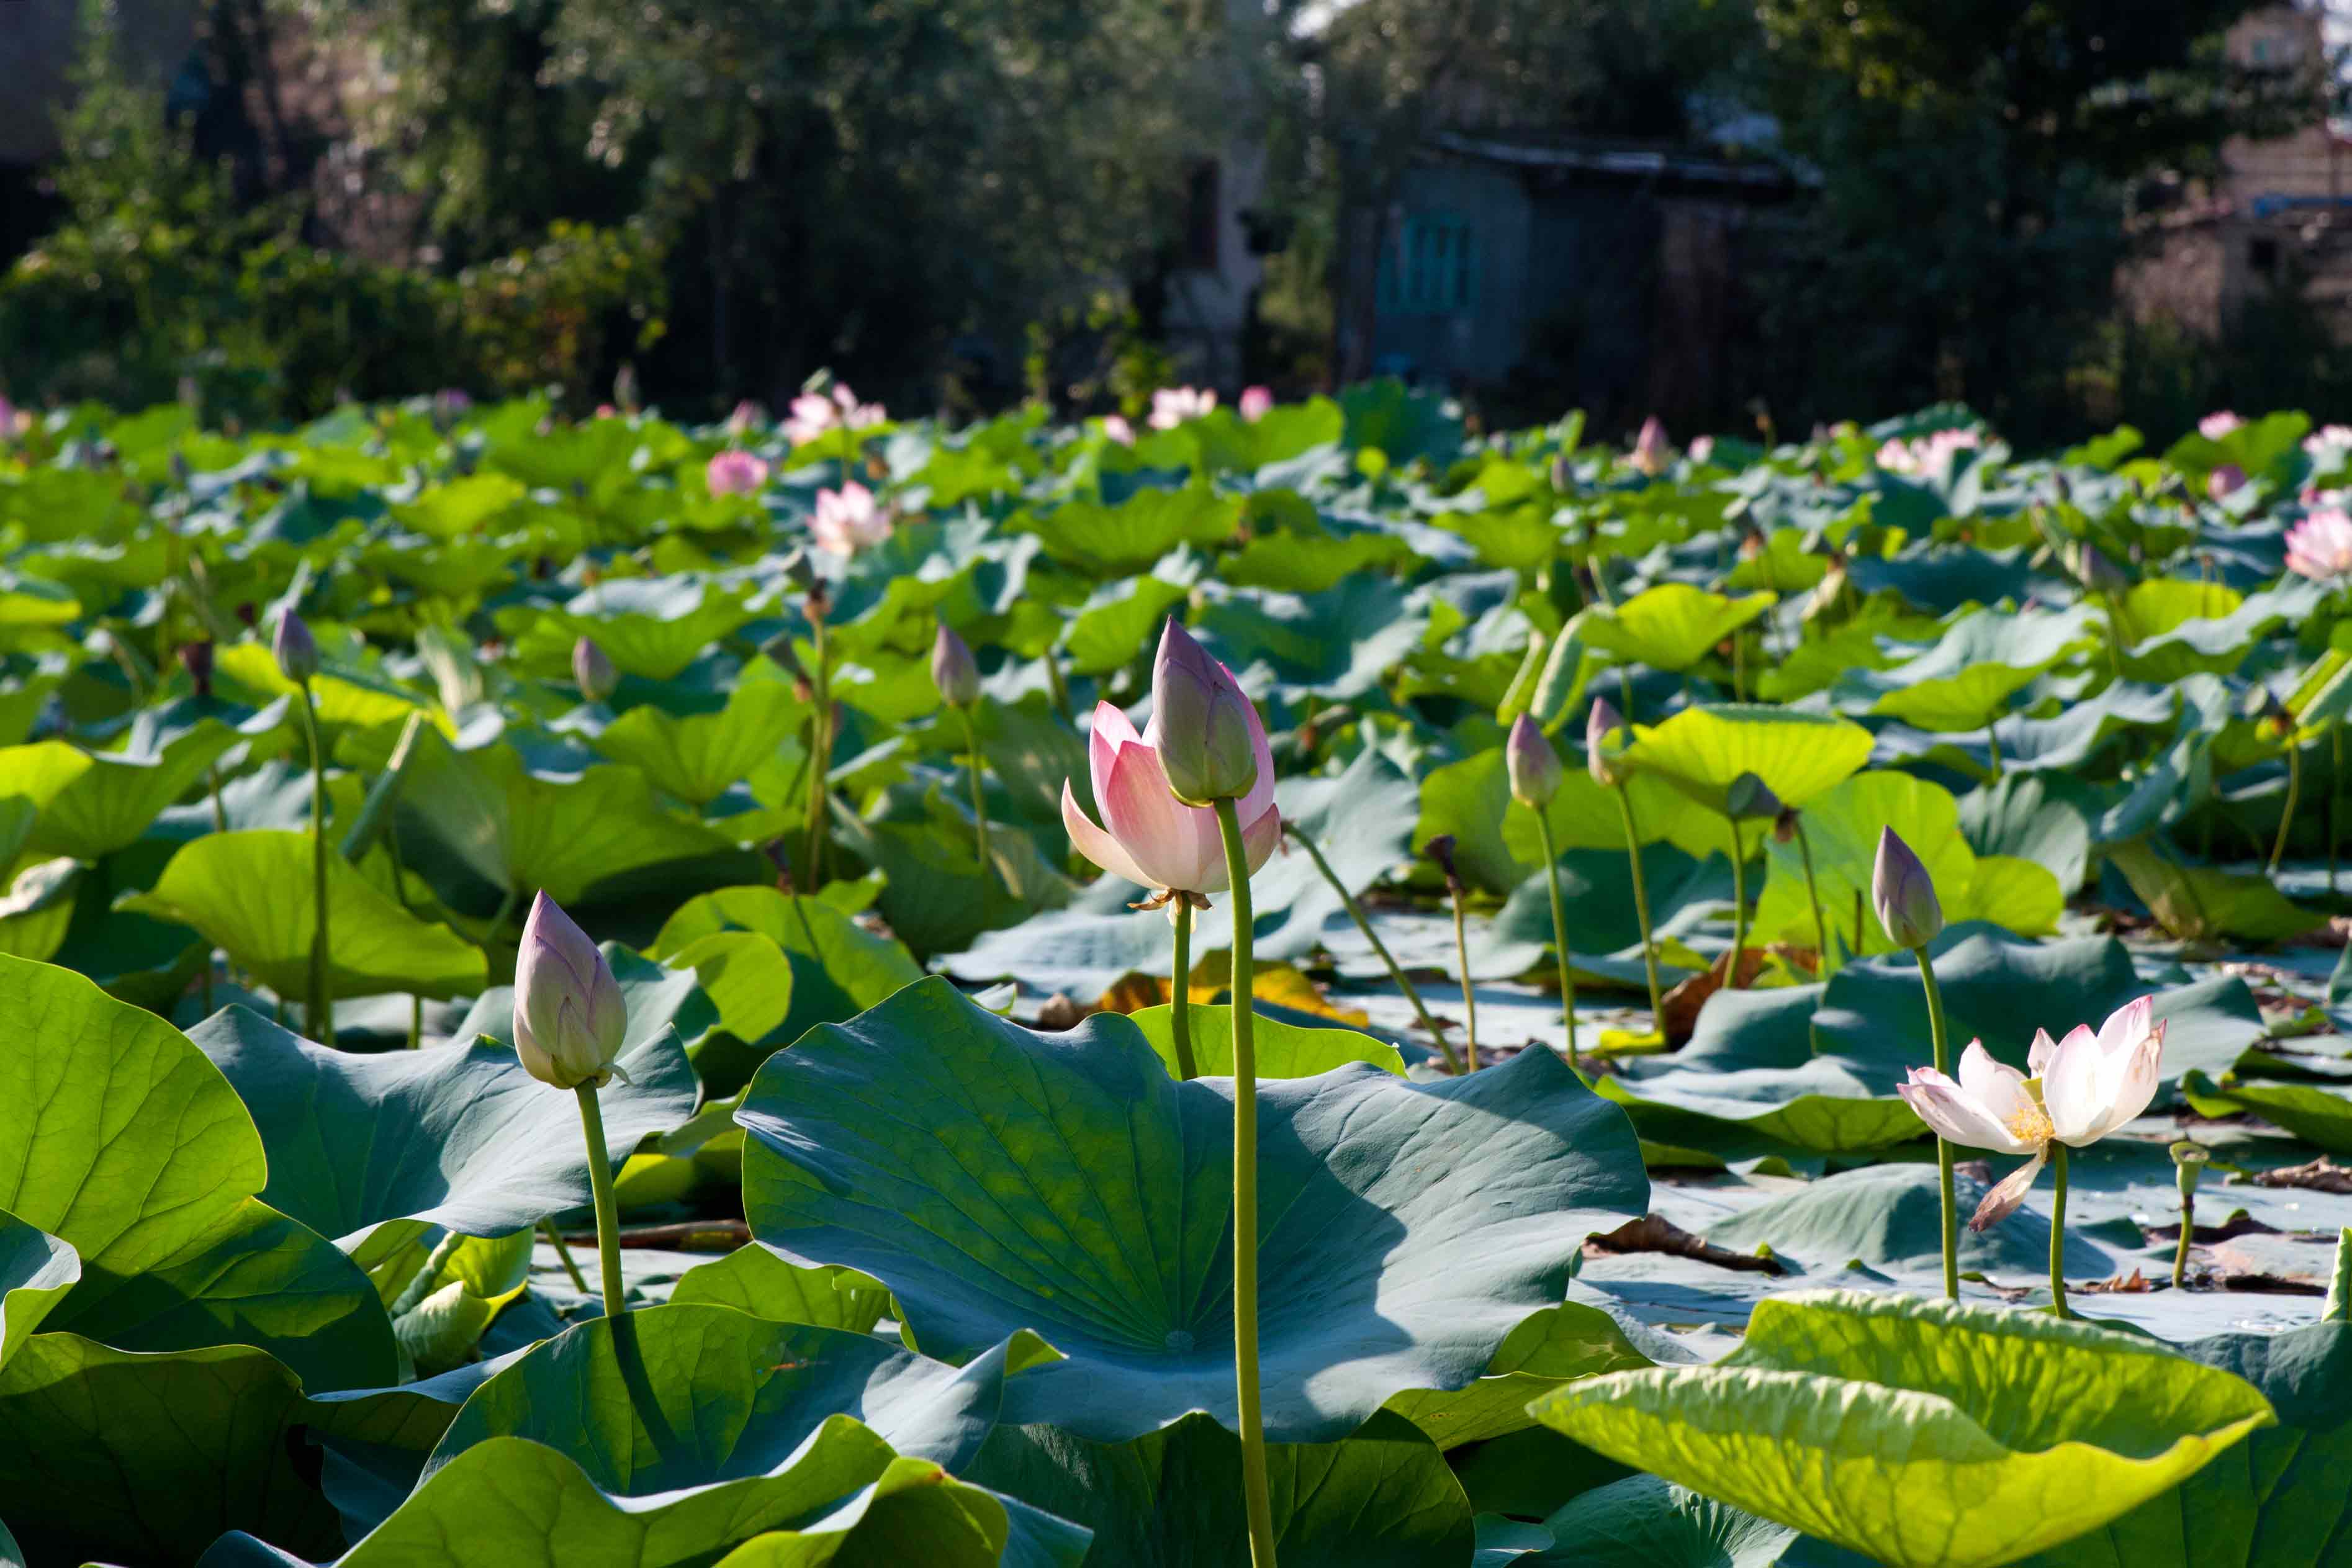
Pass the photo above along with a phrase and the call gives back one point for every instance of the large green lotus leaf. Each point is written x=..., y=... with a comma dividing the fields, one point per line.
x=576, y=840
x=1823, y=1106
x=211, y=883
x=838, y=968
x=1966, y=680
x=93, y=803
x=459, y=1137
x=147, y=1458
x=755, y=1280
x=1065, y=1183
x=845, y=1500
x=699, y=757
x=1874, y=1015
x=1673, y=626
x=11, y=1554
x=1379, y=1498
x=652, y=627
x=1644, y=1523
x=2277, y=1499
x=1359, y=818
x=1121, y=623
x=116, y=1136
x=2320, y=1116
x=748, y=977
x=1283, y=1050
x=1405, y=425
x=920, y=837
x=1339, y=644
x=346, y=695
x=1701, y=751
x=2200, y=903
x=36, y=1270
x=1106, y=541
x=1597, y=897
x=453, y=508
x=2202, y=642
x=1842, y=827
x=453, y=569
x=1557, y=1345
x=1890, y=1218
x=672, y=1397
x=2043, y=817
x=1924, y=1435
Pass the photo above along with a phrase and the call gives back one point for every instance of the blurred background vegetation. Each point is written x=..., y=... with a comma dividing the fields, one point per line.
x=955, y=204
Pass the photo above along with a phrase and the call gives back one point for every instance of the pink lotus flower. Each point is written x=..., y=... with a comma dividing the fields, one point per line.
x=2218, y=423
x=1256, y=403
x=1116, y=426
x=1149, y=837
x=2090, y=1084
x=1931, y=453
x=2329, y=444
x=739, y=423
x=814, y=413
x=1652, y=454
x=2320, y=546
x=735, y=472
x=1171, y=405
x=850, y=519
x=1701, y=448
x=2224, y=481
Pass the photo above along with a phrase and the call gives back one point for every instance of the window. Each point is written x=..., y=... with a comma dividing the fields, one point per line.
x=1429, y=267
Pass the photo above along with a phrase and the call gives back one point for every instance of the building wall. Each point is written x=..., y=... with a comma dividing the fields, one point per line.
x=38, y=45
x=1487, y=339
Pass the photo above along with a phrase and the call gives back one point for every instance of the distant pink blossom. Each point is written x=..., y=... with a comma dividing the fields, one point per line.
x=850, y=519
x=1171, y=405
x=1701, y=448
x=1652, y=452
x=606, y=411
x=2329, y=444
x=1116, y=426
x=13, y=421
x=1927, y=454
x=1256, y=403
x=2218, y=423
x=813, y=414
x=739, y=423
x=2224, y=481
x=2320, y=546
x=735, y=472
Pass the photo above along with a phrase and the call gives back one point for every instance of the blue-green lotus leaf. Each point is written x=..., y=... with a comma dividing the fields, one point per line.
x=995, y=1179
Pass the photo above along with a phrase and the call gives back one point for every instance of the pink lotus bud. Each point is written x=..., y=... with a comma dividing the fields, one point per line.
x=2224, y=479
x=1701, y=448
x=2098, y=574
x=1532, y=765
x=1650, y=453
x=296, y=651
x=1256, y=403
x=1598, y=724
x=739, y=423
x=2218, y=423
x=952, y=669
x=592, y=671
x=570, y=1021
x=735, y=472
x=1210, y=740
x=1116, y=426
x=1903, y=894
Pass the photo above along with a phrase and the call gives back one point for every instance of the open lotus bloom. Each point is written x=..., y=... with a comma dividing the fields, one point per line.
x=815, y=413
x=2084, y=1087
x=735, y=472
x=2320, y=546
x=2218, y=423
x=1171, y=405
x=1148, y=836
x=850, y=519
x=1256, y=403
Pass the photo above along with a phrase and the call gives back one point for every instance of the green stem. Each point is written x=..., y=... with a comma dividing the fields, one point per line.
x=2058, y=1228
x=1180, y=990
x=1814, y=892
x=563, y=1254
x=820, y=764
x=1363, y=924
x=1993, y=745
x=1058, y=688
x=1738, y=904
x=1942, y=1045
x=1254, y=1493
x=1558, y=936
x=1642, y=907
x=220, y=812
x=1861, y=931
x=2335, y=792
x=2286, y=818
x=420, y=1284
x=608, y=1211
x=321, y=1012
x=2187, y=1225
x=979, y=798
x=1469, y=996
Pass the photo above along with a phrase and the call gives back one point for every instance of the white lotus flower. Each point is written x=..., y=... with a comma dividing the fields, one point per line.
x=2084, y=1087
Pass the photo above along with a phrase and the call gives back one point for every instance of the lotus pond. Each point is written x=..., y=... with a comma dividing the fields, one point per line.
x=1623, y=837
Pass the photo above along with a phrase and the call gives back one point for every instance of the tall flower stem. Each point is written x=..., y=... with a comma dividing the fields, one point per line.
x=2058, y=1229
x=1942, y=1045
x=1180, y=990
x=2286, y=818
x=1469, y=993
x=321, y=1012
x=1738, y=905
x=1814, y=892
x=1558, y=937
x=1356, y=912
x=979, y=799
x=1255, y=1496
x=820, y=749
x=2188, y=1226
x=563, y=1254
x=1642, y=907
x=608, y=1211
x=2335, y=795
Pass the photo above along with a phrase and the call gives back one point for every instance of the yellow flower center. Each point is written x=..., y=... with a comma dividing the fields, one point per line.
x=2031, y=1125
